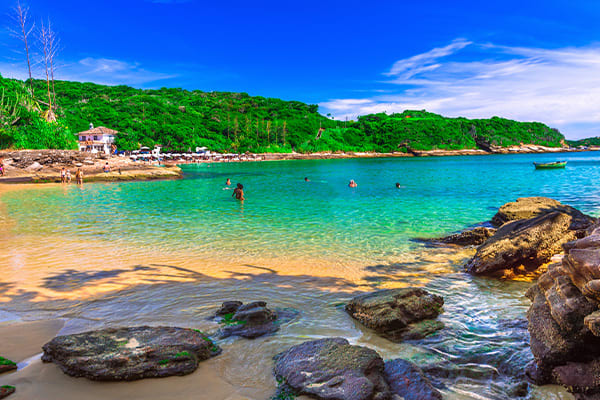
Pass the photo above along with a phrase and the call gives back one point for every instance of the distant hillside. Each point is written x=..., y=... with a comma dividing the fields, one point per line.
x=180, y=119
x=594, y=141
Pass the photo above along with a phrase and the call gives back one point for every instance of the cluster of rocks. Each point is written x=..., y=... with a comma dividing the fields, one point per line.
x=530, y=231
x=333, y=369
x=32, y=160
x=564, y=320
x=250, y=320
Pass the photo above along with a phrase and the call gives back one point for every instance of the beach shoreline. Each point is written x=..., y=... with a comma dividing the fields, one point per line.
x=44, y=166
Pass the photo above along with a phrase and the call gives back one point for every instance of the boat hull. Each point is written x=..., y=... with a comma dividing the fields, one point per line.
x=554, y=165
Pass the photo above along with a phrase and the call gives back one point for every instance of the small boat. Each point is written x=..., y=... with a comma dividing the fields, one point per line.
x=550, y=165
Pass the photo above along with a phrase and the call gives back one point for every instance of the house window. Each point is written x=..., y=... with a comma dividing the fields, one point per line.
x=82, y=138
x=95, y=137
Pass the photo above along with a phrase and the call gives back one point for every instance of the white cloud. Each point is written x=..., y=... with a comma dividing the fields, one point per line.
x=98, y=70
x=560, y=87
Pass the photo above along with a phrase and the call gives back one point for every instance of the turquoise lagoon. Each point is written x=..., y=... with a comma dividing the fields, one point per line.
x=178, y=248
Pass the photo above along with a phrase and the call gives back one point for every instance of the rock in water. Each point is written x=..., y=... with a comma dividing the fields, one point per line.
x=564, y=321
x=472, y=237
x=531, y=207
x=527, y=243
x=408, y=381
x=398, y=314
x=332, y=369
x=6, y=391
x=130, y=353
x=250, y=320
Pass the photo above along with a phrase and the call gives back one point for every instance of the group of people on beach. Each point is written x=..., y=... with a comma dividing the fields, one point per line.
x=65, y=176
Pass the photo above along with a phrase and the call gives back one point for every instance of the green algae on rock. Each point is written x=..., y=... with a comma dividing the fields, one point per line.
x=7, y=365
x=149, y=352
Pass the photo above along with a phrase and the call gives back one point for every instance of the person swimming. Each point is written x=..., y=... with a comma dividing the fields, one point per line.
x=352, y=184
x=228, y=182
x=238, y=192
x=397, y=185
x=306, y=179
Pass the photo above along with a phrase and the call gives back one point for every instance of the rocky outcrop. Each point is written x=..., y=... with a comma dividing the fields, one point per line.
x=564, y=320
x=333, y=369
x=7, y=365
x=6, y=391
x=535, y=230
x=398, y=314
x=471, y=237
x=250, y=320
x=126, y=354
x=531, y=207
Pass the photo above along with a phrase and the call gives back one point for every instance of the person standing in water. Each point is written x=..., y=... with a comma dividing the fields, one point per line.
x=238, y=192
x=228, y=182
x=352, y=184
x=63, y=175
x=79, y=176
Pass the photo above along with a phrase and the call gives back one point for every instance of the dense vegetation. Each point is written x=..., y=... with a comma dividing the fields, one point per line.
x=180, y=119
x=22, y=121
x=593, y=141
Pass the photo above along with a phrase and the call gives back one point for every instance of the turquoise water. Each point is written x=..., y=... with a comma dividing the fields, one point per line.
x=322, y=219
x=64, y=242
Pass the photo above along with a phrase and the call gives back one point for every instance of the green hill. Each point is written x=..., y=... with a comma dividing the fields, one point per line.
x=222, y=121
x=593, y=141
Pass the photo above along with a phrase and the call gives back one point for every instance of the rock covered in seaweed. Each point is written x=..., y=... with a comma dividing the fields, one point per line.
x=7, y=365
x=333, y=369
x=6, y=391
x=564, y=321
x=125, y=354
x=534, y=230
x=250, y=320
x=398, y=314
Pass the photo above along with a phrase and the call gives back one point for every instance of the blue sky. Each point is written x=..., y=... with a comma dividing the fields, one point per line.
x=526, y=60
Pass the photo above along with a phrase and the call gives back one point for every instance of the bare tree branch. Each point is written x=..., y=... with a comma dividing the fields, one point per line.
x=24, y=28
x=44, y=43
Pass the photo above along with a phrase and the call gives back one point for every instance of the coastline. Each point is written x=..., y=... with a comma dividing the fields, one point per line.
x=44, y=166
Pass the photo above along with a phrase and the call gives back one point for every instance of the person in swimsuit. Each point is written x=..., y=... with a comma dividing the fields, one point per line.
x=79, y=176
x=1, y=167
x=306, y=179
x=106, y=168
x=397, y=185
x=63, y=175
x=352, y=184
x=238, y=192
x=68, y=175
x=228, y=182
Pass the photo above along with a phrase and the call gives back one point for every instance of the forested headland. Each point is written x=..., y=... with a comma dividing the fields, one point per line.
x=180, y=119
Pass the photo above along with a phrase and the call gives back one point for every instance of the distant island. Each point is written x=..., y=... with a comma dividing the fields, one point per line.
x=180, y=120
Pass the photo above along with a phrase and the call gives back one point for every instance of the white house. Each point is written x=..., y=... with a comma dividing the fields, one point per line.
x=97, y=139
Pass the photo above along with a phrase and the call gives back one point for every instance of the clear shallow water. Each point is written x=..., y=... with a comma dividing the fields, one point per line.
x=171, y=251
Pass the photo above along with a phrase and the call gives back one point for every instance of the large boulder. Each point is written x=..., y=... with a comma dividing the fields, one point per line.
x=250, y=320
x=126, y=354
x=526, y=244
x=531, y=207
x=333, y=369
x=564, y=321
x=398, y=314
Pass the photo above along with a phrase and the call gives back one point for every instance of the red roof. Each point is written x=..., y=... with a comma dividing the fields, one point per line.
x=100, y=130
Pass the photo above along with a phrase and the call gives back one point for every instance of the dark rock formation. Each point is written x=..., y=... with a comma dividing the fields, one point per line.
x=333, y=369
x=250, y=320
x=564, y=321
x=407, y=380
x=472, y=237
x=526, y=244
x=6, y=391
x=531, y=207
x=398, y=314
x=130, y=353
x=7, y=365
